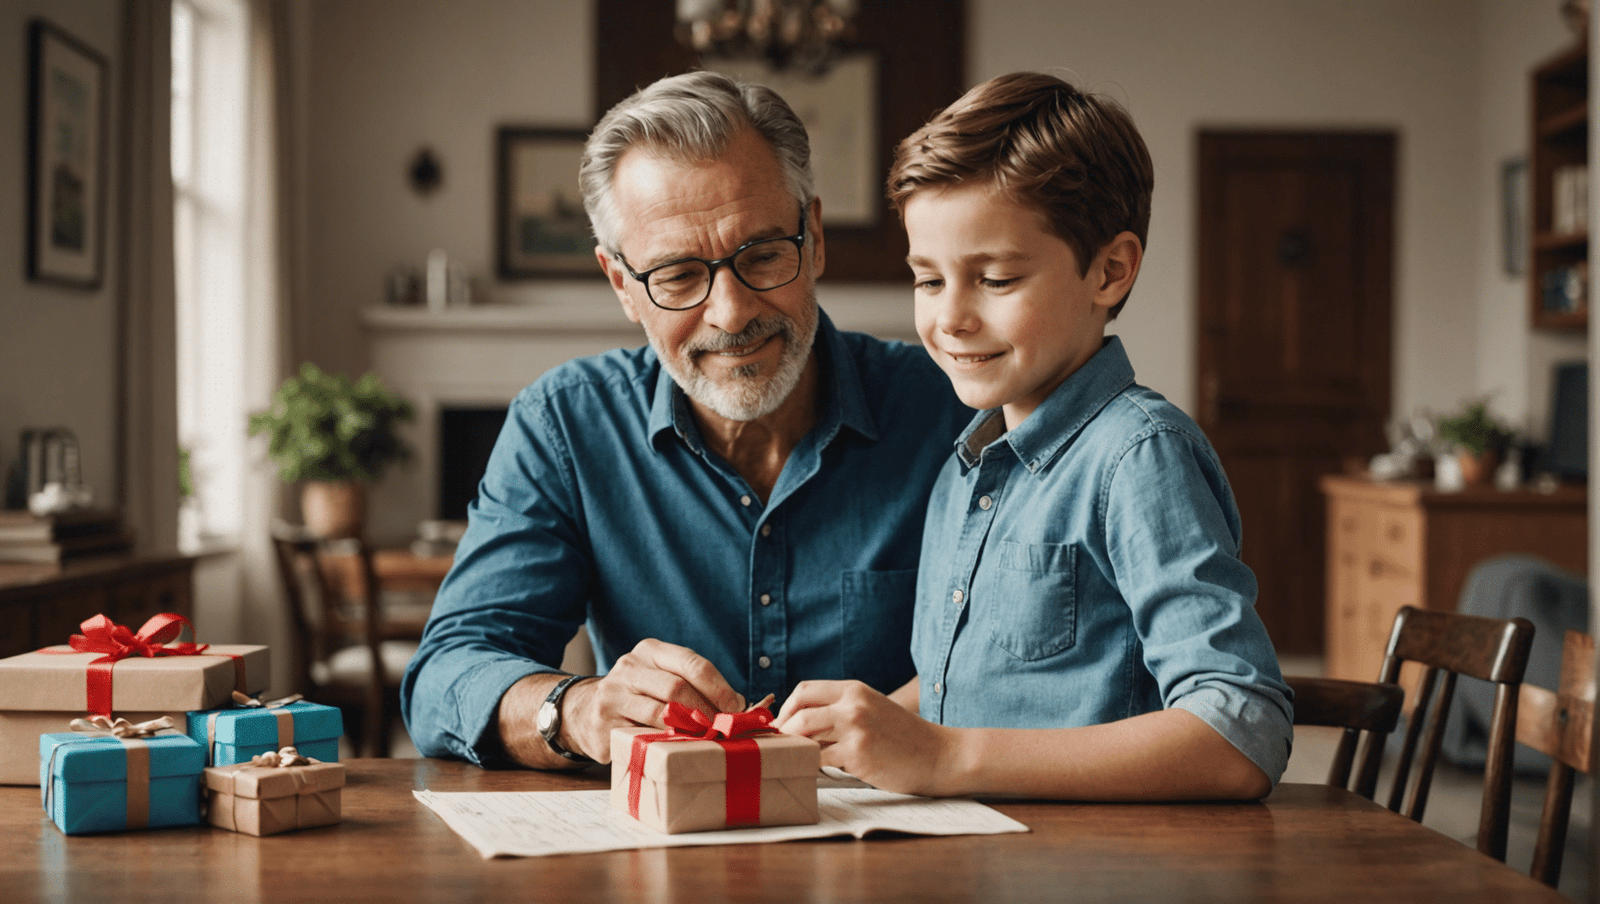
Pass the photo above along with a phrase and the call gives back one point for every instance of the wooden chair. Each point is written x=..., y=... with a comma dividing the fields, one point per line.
x=1451, y=644
x=1559, y=725
x=1356, y=706
x=343, y=654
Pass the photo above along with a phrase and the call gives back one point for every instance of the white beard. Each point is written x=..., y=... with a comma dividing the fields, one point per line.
x=746, y=395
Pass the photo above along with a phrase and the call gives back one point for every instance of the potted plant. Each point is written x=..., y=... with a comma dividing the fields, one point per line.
x=334, y=436
x=1478, y=438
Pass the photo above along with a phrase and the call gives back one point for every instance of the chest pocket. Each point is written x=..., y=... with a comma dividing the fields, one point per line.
x=1030, y=609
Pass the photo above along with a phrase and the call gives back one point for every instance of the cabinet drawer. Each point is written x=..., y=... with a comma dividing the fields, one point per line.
x=1395, y=545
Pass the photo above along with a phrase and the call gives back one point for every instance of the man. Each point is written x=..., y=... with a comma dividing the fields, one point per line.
x=732, y=509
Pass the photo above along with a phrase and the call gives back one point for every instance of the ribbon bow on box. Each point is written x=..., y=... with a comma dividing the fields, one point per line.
x=281, y=759
x=735, y=733
x=117, y=642
x=122, y=728
x=249, y=702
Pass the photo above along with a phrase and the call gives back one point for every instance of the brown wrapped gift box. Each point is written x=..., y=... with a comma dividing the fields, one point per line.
x=266, y=800
x=684, y=785
x=42, y=692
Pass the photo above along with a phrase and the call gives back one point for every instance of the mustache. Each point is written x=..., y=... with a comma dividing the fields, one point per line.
x=762, y=327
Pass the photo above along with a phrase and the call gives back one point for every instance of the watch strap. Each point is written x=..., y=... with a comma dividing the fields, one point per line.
x=551, y=732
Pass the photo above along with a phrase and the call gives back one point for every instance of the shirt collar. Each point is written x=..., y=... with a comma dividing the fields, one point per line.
x=844, y=399
x=1058, y=419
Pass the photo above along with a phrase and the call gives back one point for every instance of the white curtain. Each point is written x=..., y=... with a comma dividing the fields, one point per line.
x=275, y=224
x=147, y=475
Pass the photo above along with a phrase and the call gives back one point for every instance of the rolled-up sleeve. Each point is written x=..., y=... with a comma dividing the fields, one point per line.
x=514, y=597
x=1193, y=600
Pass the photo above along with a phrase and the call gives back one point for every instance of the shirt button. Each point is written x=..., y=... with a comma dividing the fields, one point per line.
x=744, y=500
x=985, y=502
x=766, y=530
x=765, y=662
x=957, y=597
x=938, y=688
x=766, y=599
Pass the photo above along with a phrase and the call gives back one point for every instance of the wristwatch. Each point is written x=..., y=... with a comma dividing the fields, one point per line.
x=549, y=719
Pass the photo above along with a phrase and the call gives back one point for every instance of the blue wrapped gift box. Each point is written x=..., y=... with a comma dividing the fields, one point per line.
x=236, y=734
x=84, y=781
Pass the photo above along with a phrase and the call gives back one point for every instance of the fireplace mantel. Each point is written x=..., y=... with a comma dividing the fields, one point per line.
x=483, y=355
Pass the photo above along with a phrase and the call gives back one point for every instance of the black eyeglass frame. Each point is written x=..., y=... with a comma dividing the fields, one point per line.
x=799, y=240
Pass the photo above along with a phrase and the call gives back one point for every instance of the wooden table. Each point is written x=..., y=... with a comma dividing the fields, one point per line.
x=1305, y=843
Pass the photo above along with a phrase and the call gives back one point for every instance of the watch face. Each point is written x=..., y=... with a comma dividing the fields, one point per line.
x=546, y=718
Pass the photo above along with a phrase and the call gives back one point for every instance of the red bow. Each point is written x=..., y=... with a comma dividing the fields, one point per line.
x=733, y=732
x=694, y=723
x=102, y=635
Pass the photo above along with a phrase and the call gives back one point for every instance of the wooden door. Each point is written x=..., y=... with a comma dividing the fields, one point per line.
x=1296, y=233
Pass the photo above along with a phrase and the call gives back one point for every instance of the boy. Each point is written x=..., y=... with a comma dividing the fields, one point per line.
x=1084, y=627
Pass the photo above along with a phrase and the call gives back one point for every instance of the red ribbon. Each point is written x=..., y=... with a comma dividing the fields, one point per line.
x=734, y=732
x=102, y=635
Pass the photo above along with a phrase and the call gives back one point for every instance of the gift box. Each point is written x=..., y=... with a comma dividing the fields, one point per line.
x=701, y=775
x=111, y=669
x=275, y=792
x=250, y=728
x=95, y=781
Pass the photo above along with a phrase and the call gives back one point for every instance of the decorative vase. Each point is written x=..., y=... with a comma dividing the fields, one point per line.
x=333, y=509
x=1477, y=470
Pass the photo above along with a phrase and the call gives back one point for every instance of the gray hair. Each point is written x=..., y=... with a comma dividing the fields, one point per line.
x=688, y=117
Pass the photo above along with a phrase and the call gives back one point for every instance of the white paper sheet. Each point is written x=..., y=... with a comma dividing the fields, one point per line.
x=539, y=823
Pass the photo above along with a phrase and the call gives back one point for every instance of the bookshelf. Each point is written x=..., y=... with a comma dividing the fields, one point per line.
x=1559, y=234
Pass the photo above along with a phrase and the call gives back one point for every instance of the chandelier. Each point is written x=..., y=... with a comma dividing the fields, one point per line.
x=804, y=36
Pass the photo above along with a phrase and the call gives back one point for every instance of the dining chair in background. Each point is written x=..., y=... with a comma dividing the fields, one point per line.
x=1445, y=645
x=1361, y=708
x=344, y=654
x=1559, y=724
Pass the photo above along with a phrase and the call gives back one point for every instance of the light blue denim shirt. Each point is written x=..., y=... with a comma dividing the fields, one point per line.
x=1084, y=568
x=601, y=503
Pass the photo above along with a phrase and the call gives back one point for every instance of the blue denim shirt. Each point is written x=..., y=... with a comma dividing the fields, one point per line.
x=1084, y=568
x=601, y=503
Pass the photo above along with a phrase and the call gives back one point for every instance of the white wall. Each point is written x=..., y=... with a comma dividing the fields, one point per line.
x=57, y=344
x=1449, y=76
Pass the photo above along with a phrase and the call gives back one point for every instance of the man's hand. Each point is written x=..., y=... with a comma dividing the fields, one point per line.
x=635, y=692
x=868, y=735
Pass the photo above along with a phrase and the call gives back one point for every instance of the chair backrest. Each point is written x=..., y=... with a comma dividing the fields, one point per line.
x=1359, y=707
x=1558, y=724
x=1444, y=645
x=321, y=614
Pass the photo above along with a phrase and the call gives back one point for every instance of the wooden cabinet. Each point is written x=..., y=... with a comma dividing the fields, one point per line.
x=42, y=605
x=1398, y=543
x=1560, y=108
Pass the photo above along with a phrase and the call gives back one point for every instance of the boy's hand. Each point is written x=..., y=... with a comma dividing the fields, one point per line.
x=869, y=736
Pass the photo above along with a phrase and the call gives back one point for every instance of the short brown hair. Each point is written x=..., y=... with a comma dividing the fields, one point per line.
x=1077, y=158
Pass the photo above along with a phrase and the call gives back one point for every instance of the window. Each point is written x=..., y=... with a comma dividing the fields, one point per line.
x=210, y=79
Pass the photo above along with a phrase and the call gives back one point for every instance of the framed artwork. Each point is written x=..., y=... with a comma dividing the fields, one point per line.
x=903, y=65
x=1514, y=215
x=66, y=158
x=541, y=229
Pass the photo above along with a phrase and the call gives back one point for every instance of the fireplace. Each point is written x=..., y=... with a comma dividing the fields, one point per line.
x=466, y=437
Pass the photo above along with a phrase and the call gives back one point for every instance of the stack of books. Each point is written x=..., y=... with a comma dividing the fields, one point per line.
x=25, y=537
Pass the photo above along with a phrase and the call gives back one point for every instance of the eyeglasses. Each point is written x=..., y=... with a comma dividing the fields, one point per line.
x=762, y=265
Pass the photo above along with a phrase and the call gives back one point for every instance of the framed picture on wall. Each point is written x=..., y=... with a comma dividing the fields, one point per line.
x=66, y=158
x=541, y=229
